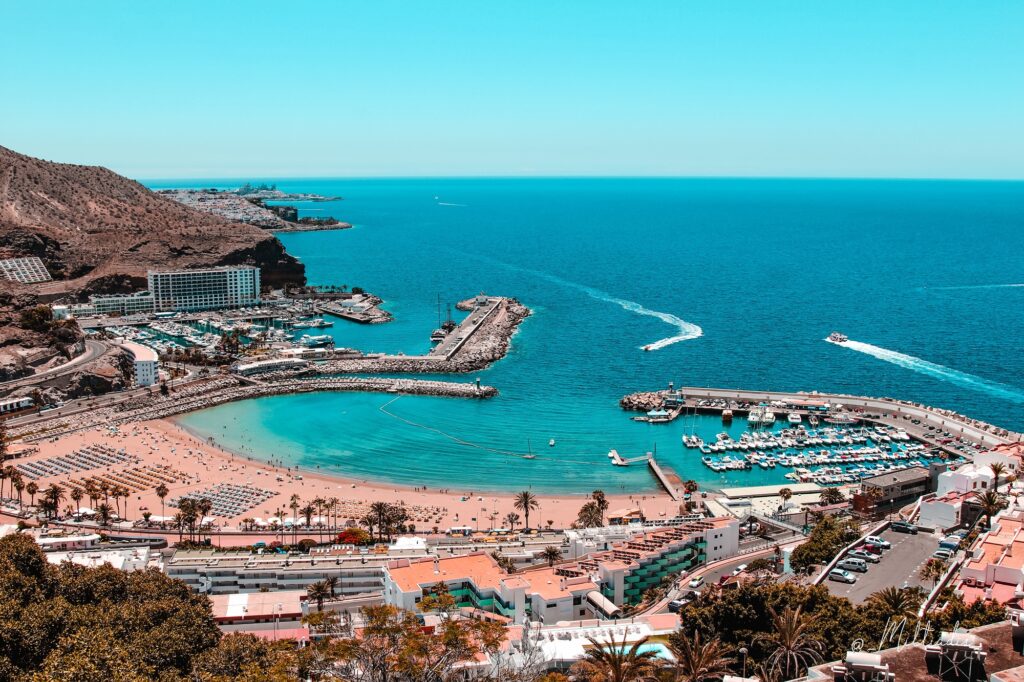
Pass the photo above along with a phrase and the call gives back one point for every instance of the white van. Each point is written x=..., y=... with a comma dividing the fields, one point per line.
x=853, y=564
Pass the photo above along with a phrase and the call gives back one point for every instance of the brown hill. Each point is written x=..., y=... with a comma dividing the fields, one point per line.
x=98, y=231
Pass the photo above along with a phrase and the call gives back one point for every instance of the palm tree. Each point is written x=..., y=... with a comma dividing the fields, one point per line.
x=203, y=509
x=526, y=502
x=293, y=504
x=318, y=592
x=551, y=554
x=32, y=488
x=894, y=602
x=589, y=515
x=103, y=511
x=795, y=650
x=332, y=584
x=179, y=523
x=19, y=485
x=76, y=495
x=54, y=495
x=831, y=496
x=617, y=661
x=3, y=475
x=601, y=501
x=307, y=513
x=933, y=570
x=379, y=512
x=998, y=469
x=162, y=492
x=697, y=660
x=512, y=519
x=786, y=494
x=332, y=509
x=991, y=503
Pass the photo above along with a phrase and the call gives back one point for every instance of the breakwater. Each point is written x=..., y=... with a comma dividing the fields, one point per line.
x=472, y=346
x=203, y=394
x=882, y=410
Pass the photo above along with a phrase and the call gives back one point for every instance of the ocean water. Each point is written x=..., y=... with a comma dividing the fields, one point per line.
x=732, y=283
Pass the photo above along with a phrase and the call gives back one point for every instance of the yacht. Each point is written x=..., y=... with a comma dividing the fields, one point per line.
x=754, y=416
x=768, y=417
x=794, y=418
x=437, y=336
x=836, y=337
x=727, y=415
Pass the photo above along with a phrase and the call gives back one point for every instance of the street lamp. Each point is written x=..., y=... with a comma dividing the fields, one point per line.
x=743, y=653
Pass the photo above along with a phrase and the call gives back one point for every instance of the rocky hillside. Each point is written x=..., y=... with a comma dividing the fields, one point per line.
x=98, y=231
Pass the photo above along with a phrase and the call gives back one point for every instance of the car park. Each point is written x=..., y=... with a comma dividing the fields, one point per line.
x=875, y=540
x=839, y=575
x=697, y=582
x=904, y=527
x=865, y=555
x=853, y=564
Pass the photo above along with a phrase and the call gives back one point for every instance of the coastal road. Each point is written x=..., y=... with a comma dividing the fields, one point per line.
x=93, y=351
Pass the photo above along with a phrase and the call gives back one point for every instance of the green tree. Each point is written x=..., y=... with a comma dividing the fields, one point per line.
x=793, y=648
x=616, y=661
x=526, y=502
x=826, y=539
x=990, y=502
x=698, y=659
x=831, y=496
x=998, y=469
x=589, y=515
x=551, y=554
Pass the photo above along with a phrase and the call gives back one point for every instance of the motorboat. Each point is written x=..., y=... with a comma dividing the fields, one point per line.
x=836, y=337
x=794, y=418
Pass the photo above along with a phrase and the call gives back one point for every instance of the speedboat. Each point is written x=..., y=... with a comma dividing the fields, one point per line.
x=836, y=337
x=768, y=417
x=794, y=418
x=551, y=443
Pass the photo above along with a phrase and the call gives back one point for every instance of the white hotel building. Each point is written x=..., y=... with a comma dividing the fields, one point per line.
x=233, y=286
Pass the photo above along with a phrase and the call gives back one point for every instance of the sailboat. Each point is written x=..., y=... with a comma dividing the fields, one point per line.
x=529, y=451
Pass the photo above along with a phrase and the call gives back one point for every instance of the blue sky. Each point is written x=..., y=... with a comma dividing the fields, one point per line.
x=275, y=89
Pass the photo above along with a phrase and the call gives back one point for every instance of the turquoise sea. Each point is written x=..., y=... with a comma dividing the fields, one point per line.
x=737, y=282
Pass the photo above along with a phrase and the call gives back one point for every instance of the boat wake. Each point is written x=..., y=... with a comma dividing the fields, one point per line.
x=446, y=203
x=937, y=371
x=687, y=330
x=965, y=287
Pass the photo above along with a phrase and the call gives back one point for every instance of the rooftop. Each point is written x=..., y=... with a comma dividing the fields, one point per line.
x=897, y=477
x=142, y=353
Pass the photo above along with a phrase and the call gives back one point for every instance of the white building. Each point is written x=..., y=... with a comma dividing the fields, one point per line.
x=273, y=365
x=205, y=289
x=8, y=405
x=146, y=363
x=24, y=270
x=966, y=479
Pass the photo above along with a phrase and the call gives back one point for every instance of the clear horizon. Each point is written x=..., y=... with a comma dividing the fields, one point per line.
x=742, y=89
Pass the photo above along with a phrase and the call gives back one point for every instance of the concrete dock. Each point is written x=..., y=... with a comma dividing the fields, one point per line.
x=879, y=410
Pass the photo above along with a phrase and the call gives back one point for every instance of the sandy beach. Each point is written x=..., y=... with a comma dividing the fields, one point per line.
x=197, y=466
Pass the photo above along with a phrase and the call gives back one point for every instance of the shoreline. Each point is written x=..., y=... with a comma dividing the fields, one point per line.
x=199, y=466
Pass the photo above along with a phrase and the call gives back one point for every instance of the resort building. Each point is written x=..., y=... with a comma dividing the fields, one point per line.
x=282, y=609
x=214, y=572
x=24, y=270
x=952, y=510
x=994, y=567
x=146, y=363
x=205, y=289
x=593, y=587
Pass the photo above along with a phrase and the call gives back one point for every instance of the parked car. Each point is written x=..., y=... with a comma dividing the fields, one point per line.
x=865, y=555
x=950, y=542
x=739, y=569
x=676, y=604
x=944, y=554
x=904, y=527
x=853, y=564
x=839, y=575
x=875, y=540
x=873, y=549
x=697, y=582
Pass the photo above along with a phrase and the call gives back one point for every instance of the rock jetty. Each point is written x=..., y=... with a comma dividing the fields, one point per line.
x=643, y=402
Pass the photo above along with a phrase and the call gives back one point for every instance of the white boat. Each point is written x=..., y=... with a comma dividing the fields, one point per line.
x=754, y=416
x=768, y=417
x=794, y=418
x=836, y=337
x=551, y=443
